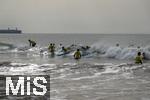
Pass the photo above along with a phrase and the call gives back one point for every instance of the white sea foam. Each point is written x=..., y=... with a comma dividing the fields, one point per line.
x=98, y=49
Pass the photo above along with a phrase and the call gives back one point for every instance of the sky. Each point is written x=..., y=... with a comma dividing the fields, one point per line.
x=76, y=16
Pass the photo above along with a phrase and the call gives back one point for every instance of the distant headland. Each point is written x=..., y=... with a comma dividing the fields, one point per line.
x=10, y=31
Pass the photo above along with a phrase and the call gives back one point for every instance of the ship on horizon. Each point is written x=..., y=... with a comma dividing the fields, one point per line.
x=11, y=31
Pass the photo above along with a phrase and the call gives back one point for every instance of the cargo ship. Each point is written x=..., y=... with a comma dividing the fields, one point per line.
x=11, y=31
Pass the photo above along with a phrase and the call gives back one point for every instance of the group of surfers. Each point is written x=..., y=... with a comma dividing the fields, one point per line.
x=77, y=55
x=51, y=49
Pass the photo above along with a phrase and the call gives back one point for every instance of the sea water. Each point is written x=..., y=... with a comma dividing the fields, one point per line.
x=106, y=72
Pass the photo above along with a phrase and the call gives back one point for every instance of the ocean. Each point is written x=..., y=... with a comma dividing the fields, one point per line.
x=106, y=71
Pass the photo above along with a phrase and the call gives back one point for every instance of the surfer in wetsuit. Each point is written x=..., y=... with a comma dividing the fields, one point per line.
x=51, y=48
x=139, y=58
x=85, y=48
x=77, y=54
x=64, y=50
x=117, y=45
x=32, y=43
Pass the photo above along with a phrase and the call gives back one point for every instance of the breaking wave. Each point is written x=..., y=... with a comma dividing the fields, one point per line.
x=6, y=46
x=119, y=52
x=97, y=50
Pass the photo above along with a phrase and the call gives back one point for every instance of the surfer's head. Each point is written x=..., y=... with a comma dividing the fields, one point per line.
x=117, y=45
x=139, y=54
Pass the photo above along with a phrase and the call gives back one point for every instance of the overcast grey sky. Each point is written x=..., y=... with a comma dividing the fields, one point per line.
x=76, y=16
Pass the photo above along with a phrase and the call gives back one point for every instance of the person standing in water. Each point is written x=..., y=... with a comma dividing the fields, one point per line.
x=77, y=54
x=51, y=48
x=32, y=43
x=139, y=58
x=60, y=46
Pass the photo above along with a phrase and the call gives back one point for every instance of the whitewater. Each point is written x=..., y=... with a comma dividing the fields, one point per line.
x=105, y=72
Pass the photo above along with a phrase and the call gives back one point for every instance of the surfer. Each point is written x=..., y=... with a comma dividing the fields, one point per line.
x=77, y=54
x=64, y=50
x=32, y=43
x=51, y=48
x=139, y=58
x=85, y=48
x=60, y=46
x=117, y=45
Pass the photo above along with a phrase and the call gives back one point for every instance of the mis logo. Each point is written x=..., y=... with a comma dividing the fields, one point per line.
x=26, y=86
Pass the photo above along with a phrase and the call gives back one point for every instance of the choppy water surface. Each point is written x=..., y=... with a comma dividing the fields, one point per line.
x=90, y=81
x=105, y=72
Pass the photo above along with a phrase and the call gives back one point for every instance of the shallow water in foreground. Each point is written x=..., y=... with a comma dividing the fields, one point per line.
x=88, y=80
x=100, y=82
